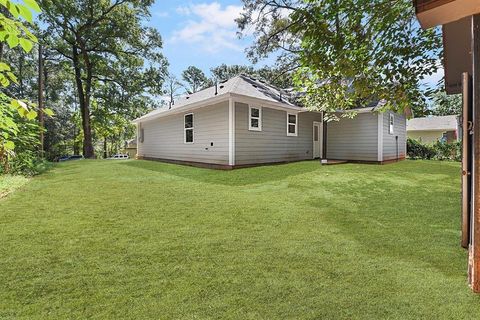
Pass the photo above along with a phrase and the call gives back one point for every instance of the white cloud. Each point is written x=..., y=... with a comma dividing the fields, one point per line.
x=209, y=25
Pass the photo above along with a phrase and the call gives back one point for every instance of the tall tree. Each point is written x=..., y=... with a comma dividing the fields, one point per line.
x=346, y=52
x=171, y=87
x=16, y=115
x=446, y=105
x=194, y=78
x=225, y=72
x=92, y=34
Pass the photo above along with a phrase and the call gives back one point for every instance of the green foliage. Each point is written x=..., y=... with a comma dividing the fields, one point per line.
x=446, y=105
x=16, y=115
x=225, y=72
x=272, y=75
x=347, y=53
x=112, y=55
x=437, y=151
x=195, y=79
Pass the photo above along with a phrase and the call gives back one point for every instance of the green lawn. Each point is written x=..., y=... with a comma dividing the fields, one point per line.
x=138, y=240
x=10, y=183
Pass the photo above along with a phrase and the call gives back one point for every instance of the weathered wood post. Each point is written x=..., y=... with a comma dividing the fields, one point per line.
x=461, y=38
x=466, y=157
x=474, y=249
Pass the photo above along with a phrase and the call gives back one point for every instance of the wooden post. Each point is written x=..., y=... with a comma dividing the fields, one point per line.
x=466, y=158
x=474, y=249
x=41, y=116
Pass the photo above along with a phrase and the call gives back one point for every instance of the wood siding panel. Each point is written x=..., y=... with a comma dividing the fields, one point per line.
x=353, y=139
x=389, y=142
x=272, y=143
x=164, y=137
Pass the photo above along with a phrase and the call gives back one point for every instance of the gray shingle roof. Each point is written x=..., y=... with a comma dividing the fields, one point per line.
x=240, y=85
x=433, y=123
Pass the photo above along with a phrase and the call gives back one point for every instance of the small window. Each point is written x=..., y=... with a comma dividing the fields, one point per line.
x=188, y=128
x=392, y=123
x=255, y=119
x=292, y=125
x=142, y=135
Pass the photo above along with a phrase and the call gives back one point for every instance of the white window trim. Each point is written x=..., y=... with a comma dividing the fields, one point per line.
x=185, y=129
x=250, y=118
x=391, y=123
x=289, y=124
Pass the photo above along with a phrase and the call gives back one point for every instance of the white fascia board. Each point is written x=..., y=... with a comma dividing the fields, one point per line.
x=185, y=108
x=231, y=132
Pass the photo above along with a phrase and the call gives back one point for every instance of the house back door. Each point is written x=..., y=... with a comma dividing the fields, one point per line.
x=317, y=140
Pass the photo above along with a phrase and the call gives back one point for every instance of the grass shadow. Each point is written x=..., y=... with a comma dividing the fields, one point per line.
x=238, y=177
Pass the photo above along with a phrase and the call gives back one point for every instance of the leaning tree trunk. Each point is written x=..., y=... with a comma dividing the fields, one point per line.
x=105, y=148
x=84, y=101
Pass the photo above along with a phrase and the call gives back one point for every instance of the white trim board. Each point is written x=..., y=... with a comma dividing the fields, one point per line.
x=218, y=99
x=231, y=132
x=380, y=137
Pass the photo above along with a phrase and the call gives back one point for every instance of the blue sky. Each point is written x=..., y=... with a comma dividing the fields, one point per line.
x=203, y=33
x=200, y=33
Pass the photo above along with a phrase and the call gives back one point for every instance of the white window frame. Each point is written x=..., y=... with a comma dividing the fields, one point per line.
x=289, y=124
x=391, y=123
x=250, y=118
x=185, y=129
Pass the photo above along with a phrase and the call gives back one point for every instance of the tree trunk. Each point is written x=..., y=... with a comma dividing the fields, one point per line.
x=105, y=149
x=41, y=116
x=84, y=101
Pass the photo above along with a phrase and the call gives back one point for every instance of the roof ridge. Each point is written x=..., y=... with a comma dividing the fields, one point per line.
x=235, y=84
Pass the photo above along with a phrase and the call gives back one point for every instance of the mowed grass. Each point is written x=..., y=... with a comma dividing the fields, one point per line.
x=9, y=183
x=146, y=240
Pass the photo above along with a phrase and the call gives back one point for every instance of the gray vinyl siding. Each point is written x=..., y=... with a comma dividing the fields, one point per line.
x=164, y=137
x=272, y=143
x=353, y=139
x=389, y=142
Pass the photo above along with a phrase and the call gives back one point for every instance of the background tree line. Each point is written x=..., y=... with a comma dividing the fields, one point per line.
x=97, y=66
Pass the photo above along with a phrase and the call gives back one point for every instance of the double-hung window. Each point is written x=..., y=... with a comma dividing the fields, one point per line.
x=391, y=123
x=255, y=118
x=188, y=124
x=292, y=124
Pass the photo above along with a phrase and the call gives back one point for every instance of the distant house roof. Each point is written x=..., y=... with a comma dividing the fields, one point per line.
x=241, y=85
x=448, y=123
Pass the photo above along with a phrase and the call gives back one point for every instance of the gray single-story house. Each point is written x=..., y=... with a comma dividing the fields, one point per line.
x=244, y=122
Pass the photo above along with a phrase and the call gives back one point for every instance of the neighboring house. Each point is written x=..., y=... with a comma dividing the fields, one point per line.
x=433, y=129
x=244, y=122
x=131, y=148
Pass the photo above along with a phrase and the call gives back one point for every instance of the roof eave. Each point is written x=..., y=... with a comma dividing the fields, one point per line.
x=220, y=98
x=187, y=107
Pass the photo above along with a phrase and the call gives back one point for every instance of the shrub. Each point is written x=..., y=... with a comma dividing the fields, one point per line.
x=437, y=151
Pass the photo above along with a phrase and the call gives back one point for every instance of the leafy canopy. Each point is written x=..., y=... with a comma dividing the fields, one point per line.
x=346, y=53
x=14, y=110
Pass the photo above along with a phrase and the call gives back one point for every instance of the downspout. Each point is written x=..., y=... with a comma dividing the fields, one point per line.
x=324, y=137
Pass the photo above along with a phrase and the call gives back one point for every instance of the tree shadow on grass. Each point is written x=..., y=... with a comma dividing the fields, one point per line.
x=238, y=177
